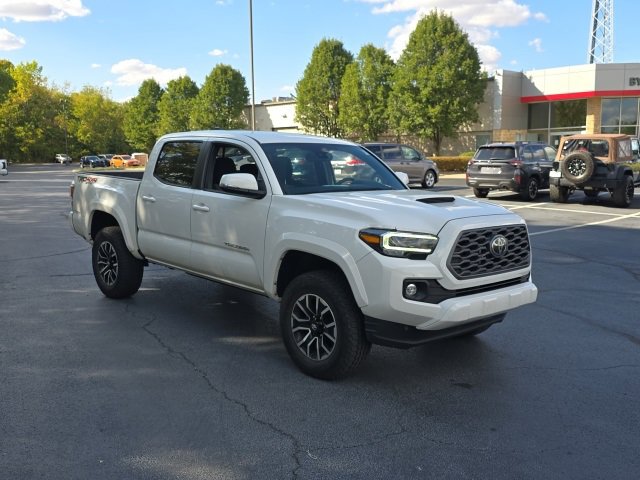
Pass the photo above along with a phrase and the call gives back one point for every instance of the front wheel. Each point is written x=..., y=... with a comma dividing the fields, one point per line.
x=117, y=272
x=322, y=327
x=559, y=194
x=530, y=191
x=429, y=179
x=481, y=192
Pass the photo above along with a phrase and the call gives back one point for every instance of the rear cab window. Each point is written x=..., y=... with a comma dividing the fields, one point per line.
x=176, y=164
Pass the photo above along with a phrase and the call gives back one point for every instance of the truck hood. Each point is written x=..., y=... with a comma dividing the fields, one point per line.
x=400, y=209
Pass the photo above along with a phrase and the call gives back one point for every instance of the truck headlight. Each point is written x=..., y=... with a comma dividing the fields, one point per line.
x=399, y=244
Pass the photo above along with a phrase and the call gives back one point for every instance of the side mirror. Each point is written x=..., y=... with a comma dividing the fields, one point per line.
x=404, y=178
x=241, y=184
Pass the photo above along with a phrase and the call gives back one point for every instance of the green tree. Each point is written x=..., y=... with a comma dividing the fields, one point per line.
x=7, y=83
x=438, y=82
x=175, y=105
x=96, y=122
x=318, y=91
x=365, y=92
x=141, y=116
x=27, y=116
x=221, y=100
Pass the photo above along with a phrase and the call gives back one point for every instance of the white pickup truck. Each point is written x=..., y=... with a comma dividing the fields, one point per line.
x=319, y=224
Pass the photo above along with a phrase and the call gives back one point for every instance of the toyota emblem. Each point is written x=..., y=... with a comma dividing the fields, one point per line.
x=498, y=246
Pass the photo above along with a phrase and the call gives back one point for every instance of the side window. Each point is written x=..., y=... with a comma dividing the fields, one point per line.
x=538, y=154
x=551, y=153
x=376, y=149
x=391, y=152
x=226, y=158
x=409, y=153
x=527, y=154
x=177, y=162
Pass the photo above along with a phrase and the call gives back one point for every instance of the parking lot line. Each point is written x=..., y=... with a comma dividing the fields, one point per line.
x=540, y=206
x=572, y=227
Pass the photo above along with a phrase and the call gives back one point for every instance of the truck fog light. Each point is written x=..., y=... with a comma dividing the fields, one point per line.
x=410, y=290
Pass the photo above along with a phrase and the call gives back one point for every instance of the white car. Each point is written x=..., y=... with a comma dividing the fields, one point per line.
x=3, y=167
x=63, y=158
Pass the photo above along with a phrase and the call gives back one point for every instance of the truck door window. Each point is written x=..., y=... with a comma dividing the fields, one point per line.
x=226, y=159
x=177, y=162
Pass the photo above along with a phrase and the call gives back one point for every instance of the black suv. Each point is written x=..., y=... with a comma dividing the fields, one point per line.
x=521, y=167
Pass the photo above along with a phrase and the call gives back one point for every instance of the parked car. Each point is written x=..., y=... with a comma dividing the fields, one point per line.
x=403, y=158
x=107, y=157
x=63, y=158
x=635, y=148
x=3, y=167
x=143, y=158
x=594, y=163
x=123, y=161
x=521, y=167
x=92, y=161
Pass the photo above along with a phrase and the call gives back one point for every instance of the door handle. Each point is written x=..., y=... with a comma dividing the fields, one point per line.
x=200, y=208
x=149, y=198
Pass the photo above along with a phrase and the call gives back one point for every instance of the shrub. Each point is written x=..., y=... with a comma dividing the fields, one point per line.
x=451, y=164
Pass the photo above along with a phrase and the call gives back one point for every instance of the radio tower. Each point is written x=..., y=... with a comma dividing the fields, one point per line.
x=601, y=38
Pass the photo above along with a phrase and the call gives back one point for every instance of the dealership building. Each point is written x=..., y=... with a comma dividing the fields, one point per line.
x=537, y=105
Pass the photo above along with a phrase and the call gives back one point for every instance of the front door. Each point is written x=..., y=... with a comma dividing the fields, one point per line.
x=228, y=230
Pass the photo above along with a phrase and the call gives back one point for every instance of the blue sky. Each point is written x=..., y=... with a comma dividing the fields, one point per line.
x=116, y=44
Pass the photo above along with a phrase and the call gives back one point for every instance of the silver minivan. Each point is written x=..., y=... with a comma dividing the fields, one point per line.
x=403, y=158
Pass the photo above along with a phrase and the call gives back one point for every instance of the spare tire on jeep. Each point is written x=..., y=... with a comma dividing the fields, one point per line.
x=577, y=167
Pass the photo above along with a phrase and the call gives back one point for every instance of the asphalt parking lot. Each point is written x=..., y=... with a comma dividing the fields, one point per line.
x=189, y=379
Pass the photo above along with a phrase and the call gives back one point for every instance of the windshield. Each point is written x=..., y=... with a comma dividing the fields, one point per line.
x=495, y=153
x=315, y=168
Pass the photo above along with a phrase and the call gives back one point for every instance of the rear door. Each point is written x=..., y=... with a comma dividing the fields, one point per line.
x=164, y=204
x=228, y=230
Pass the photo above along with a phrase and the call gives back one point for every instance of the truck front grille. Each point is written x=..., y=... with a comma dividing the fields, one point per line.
x=473, y=256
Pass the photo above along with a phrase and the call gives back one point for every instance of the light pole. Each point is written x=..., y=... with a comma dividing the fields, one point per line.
x=253, y=84
x=64, y=116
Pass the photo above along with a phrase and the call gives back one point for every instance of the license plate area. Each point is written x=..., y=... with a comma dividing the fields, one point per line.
x=492, y=170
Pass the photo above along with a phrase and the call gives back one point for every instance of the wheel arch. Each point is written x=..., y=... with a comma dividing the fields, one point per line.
x=296, y=262
x=101, y=219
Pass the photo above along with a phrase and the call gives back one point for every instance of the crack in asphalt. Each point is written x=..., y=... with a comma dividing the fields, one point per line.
x=633, y=339
x=49, y=255
x=634, y=273
x=298, y=450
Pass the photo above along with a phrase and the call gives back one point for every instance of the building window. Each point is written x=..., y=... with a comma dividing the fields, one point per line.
x=620, y=115
x=538, y=115
x=572, y=113
x=482, y=139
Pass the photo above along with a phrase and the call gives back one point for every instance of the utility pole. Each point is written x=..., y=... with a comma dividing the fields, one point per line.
x=253, y=83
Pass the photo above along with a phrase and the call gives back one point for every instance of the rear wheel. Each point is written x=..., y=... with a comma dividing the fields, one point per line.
x=429, y=179
x=559, y=194
x=481, y=192
x=322, y=327
x=530, y=191
x=117, y=272
x=623, y=193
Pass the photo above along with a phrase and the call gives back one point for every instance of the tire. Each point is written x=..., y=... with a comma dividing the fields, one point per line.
x=481, y=192
x=623, y=193
x=429, y=179
x=117, y=272
x=322, y=327
x=577, y=167
x=559, y=194
x=530, y=191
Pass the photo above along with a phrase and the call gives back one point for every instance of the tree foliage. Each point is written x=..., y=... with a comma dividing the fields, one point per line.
x=95, y=122
x=175, y=105
x=221, y=100
x=365, y=91
x=318, y=91
x=438, y=82
x=141, y=116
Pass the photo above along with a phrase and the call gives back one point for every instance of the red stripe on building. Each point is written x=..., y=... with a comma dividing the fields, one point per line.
x=579, y=95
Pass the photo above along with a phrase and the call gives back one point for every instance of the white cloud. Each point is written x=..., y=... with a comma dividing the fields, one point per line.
x=95, y=65
x=224, y=2
x=216, y=52
x=41, y=10
x=9, y=41
x=536, y=43
x=134, y=72
x=479, y=18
